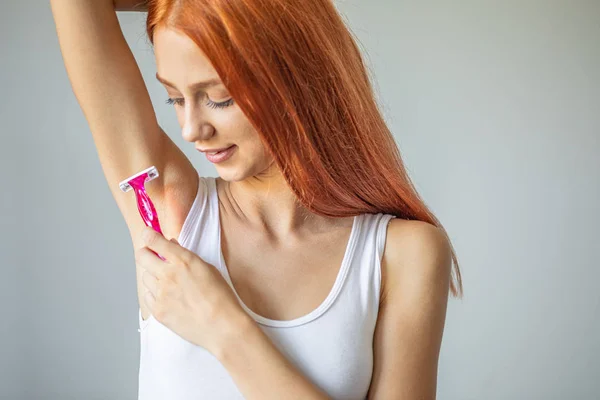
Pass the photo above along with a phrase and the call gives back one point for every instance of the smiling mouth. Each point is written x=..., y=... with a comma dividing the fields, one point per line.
x=214, y=151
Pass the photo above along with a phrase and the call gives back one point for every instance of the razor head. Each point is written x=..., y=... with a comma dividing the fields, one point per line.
x=150, y=174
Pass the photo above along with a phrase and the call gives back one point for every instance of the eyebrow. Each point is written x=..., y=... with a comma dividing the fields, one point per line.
x=196, y=86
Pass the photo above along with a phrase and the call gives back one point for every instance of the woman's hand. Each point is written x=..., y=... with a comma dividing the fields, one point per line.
x=188, y=295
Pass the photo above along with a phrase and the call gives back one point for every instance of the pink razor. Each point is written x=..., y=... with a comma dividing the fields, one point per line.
x=145, y=205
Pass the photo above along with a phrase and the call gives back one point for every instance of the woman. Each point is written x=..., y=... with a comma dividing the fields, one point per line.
x=310, y=268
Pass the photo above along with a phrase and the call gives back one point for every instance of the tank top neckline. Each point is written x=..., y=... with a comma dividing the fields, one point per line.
x=314, y=314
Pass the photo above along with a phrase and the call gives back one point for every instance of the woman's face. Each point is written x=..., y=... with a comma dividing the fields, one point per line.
x=208, y=116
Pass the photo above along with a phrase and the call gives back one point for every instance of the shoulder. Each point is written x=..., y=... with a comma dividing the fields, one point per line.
x=416, y=255
x=412, y=311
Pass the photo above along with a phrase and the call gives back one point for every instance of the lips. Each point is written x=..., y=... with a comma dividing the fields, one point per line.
x=215, y=151
x=220, y=156
x=218, y=151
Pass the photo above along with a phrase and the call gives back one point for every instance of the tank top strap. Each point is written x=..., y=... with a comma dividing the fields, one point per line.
x=373, y=233
x=364, y=282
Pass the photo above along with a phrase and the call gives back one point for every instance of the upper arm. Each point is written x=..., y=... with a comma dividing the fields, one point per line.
x=111, y=92
x=416, y=267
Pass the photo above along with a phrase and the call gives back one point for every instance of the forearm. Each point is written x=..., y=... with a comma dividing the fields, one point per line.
x=118, y=5
x=108, y=85
x=130, y=5
x=100, y=65
x=260, y=371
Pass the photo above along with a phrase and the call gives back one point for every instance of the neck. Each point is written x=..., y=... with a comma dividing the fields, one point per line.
x=267, y=202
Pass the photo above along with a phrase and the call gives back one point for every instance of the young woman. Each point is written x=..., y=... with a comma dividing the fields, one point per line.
x=310, y=268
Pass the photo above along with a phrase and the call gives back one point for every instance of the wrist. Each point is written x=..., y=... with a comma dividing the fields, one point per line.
x=240, y=330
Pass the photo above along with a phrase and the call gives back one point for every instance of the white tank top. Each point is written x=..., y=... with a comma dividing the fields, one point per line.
x=332, y=345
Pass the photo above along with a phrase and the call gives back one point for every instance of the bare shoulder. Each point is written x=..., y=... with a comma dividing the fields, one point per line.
x=416, y=267
x=416, y=253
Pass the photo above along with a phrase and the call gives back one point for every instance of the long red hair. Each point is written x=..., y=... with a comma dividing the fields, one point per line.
x=296, y=72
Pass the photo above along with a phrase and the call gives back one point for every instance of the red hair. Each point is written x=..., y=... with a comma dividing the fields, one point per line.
x=294, y=69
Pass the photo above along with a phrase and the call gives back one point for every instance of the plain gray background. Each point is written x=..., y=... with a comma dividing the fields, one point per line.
x=496, y=108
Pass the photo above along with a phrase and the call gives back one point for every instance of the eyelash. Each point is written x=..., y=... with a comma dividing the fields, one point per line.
x=211, y=104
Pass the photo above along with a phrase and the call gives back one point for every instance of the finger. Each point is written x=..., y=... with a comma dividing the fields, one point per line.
x=150, y=282
x=147, y=260
x=166, y=248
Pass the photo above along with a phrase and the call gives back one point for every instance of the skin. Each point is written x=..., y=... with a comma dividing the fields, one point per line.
x=417, y=263
x=250, y=175
x=262, y=223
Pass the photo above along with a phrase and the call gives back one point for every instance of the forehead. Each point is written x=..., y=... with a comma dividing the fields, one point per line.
x=178, y=58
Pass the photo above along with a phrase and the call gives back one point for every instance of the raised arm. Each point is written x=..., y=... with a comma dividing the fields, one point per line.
x=130, y=5
x=111, y=92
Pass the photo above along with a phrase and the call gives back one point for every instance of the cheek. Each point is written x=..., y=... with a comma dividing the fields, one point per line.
x=233, y=120
x=249, y=142
x=261, y=155
x=235, y=127
x=253, y=142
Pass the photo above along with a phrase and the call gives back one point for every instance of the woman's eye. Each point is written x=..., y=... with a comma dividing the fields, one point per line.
x=209, y=103
x=222, y=104
x=177, y=102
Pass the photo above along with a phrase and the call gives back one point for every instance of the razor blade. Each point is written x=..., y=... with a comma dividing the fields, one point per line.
x=151, y=174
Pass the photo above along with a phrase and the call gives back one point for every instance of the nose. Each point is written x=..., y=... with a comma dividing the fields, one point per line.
x=196, y=128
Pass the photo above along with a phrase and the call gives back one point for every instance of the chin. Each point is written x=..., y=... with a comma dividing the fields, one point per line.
x=231, y=174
